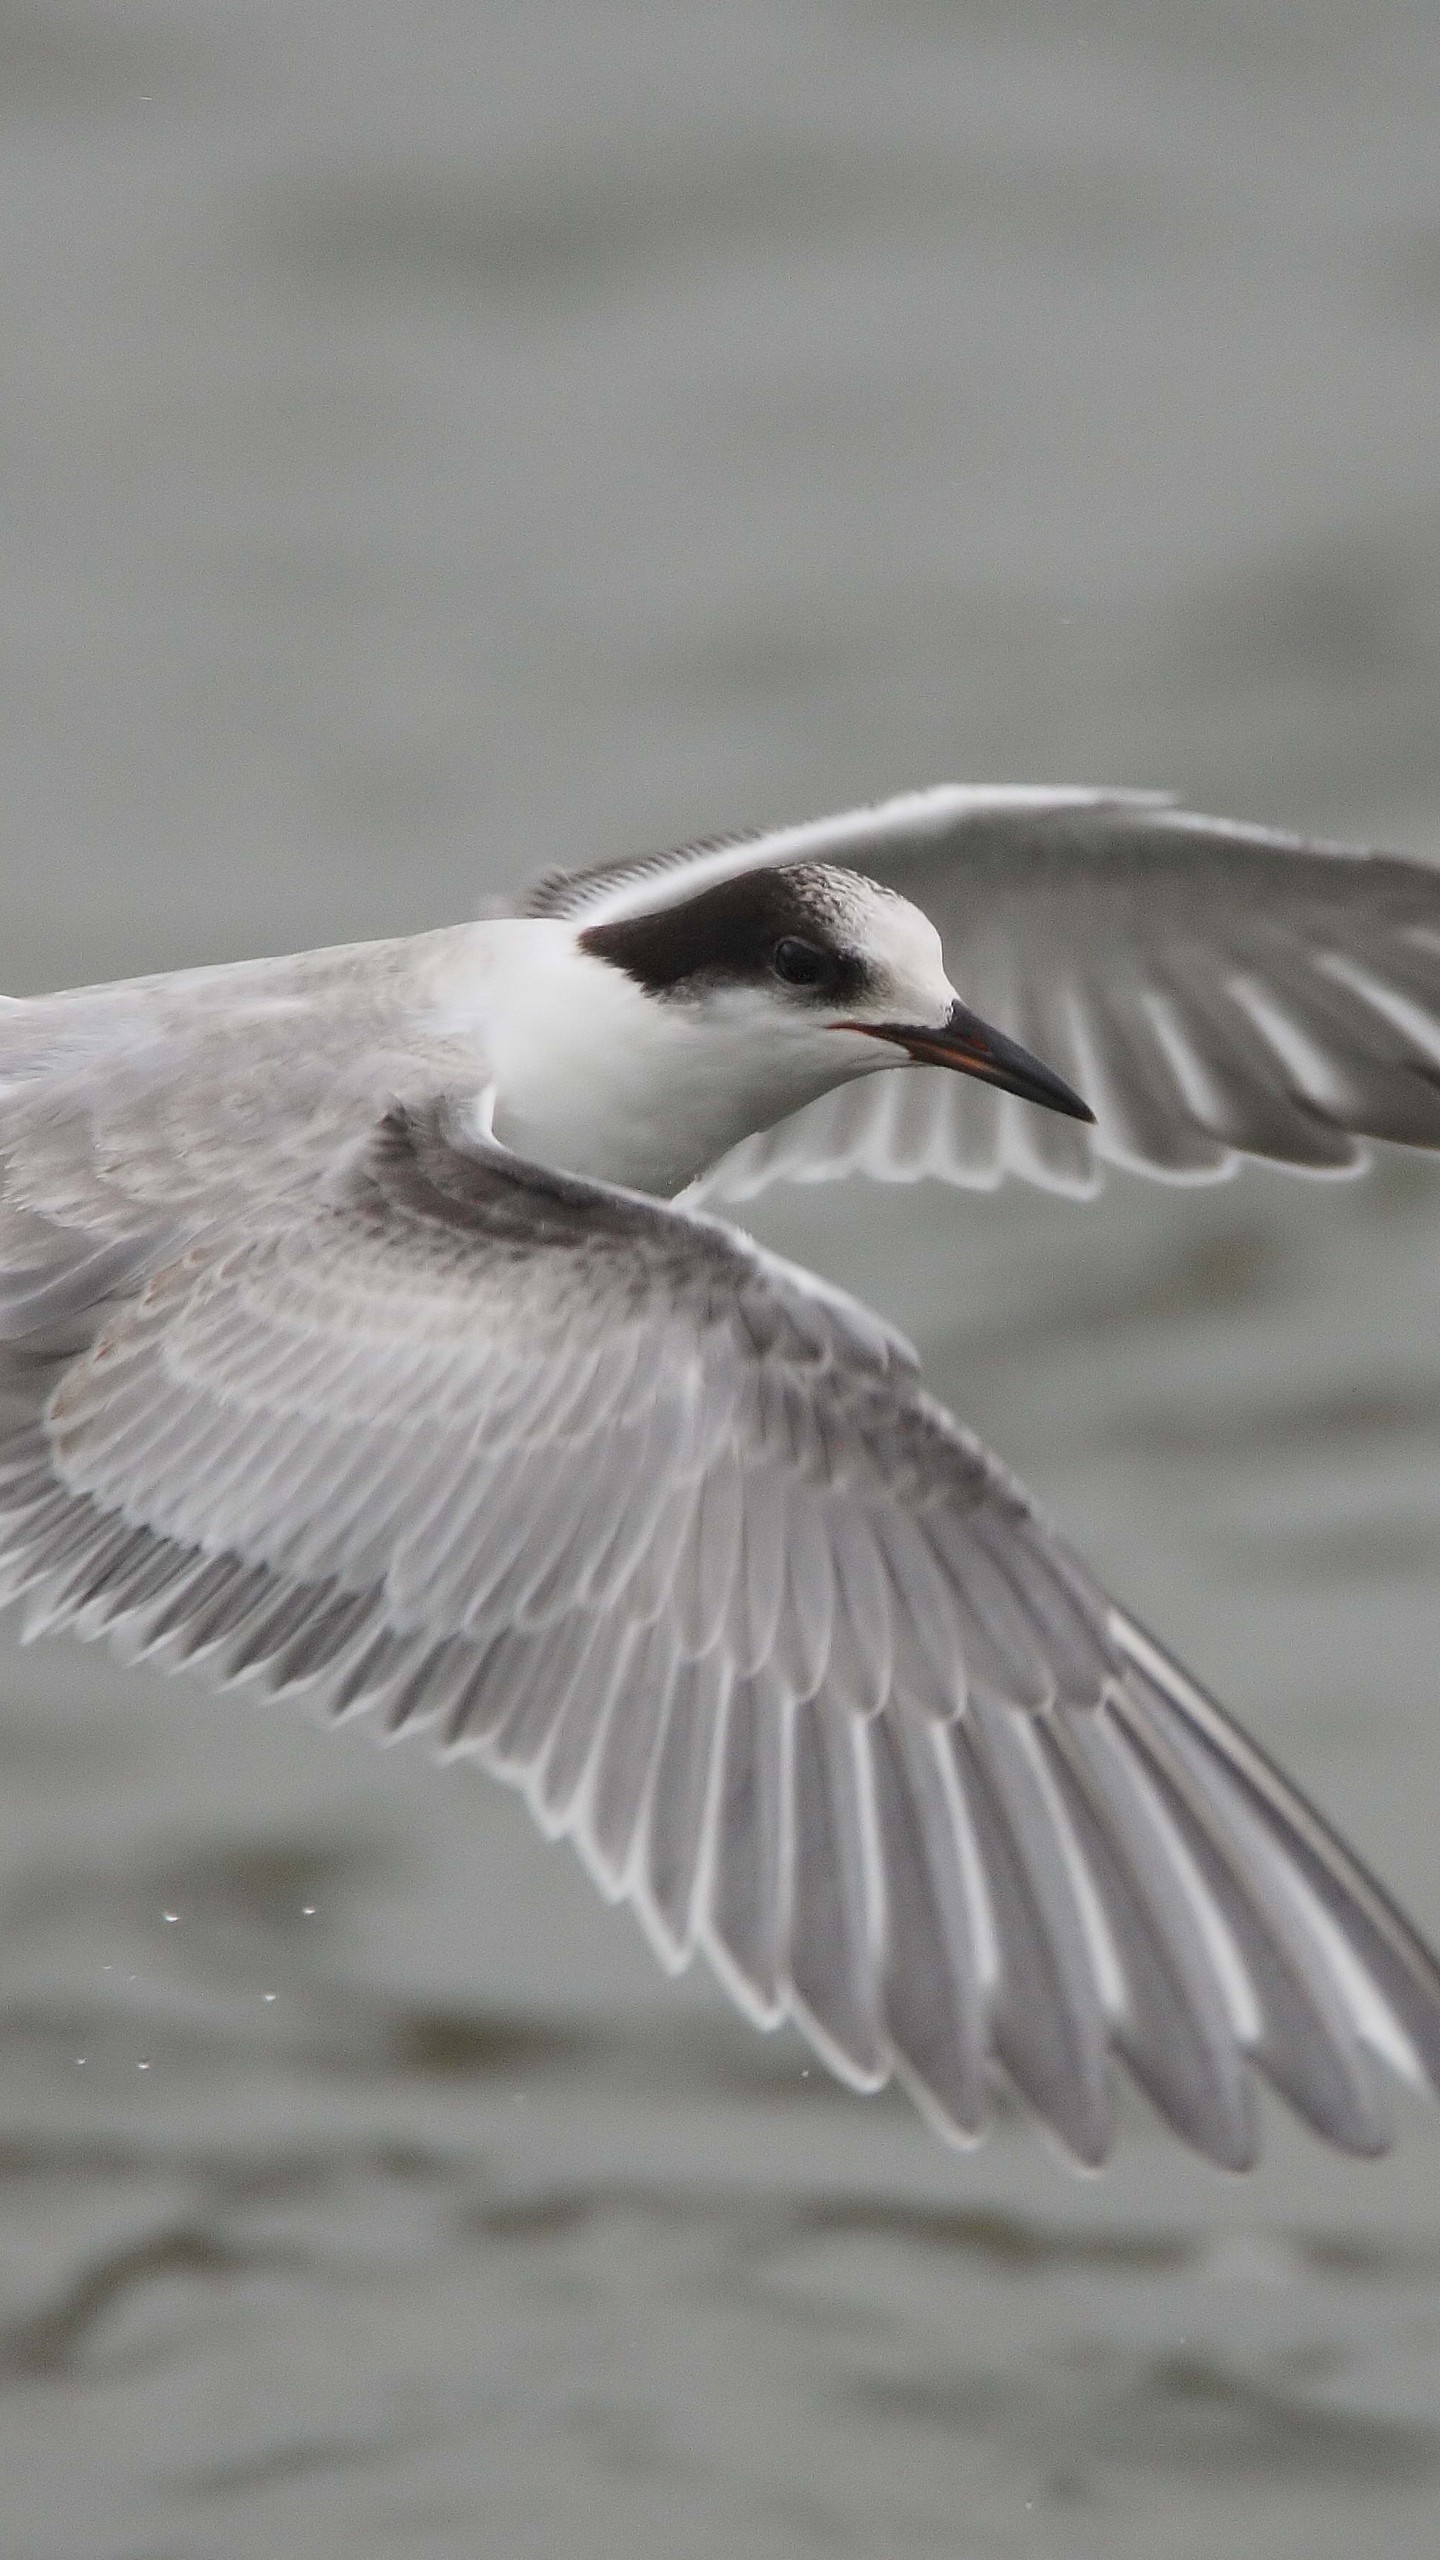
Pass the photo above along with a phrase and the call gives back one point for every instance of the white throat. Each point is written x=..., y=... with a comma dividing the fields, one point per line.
x=593, y=1075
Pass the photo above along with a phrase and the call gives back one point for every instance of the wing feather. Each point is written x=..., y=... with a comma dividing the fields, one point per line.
x=1308, y=2044
x=834, y=1919
x=1047, y=2013
x=1187, y=2011
x=935, y=1963
x=746, y=1902
x=1150, y=956
x=621, y=1772
x=657, y=1529
x=676, y=1824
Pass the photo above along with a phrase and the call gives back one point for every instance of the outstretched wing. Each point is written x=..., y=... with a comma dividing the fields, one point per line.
x=670, y=1535
x=1214, y=991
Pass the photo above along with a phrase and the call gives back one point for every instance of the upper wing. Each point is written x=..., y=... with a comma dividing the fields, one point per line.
x=669, y=1534
x=1214, y=991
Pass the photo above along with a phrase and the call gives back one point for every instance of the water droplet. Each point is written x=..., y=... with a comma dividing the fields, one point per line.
x=142, y=2066
x=172, y=1917
x=267, y=1997
x=79, y=2061
x=307, y=1910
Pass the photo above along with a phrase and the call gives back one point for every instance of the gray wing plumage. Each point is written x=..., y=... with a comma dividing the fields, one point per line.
x=671, y=1536
x=1214, y=991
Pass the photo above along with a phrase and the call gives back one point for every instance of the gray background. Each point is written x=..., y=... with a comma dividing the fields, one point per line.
x=442, y=440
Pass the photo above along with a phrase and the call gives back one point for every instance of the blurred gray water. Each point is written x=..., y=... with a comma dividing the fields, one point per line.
x=443, y=440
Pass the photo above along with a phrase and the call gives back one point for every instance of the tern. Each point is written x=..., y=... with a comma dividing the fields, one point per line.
x=354, y=1344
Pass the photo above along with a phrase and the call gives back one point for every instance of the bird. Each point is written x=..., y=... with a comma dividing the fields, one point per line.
x=369, y=1334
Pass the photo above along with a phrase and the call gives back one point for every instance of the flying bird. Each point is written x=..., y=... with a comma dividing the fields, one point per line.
x=354, y=1343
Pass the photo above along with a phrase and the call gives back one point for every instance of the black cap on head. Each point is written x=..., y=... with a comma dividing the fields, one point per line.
x=736, y=934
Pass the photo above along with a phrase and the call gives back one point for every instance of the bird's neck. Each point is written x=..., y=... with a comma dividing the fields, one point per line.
x=593, y=1075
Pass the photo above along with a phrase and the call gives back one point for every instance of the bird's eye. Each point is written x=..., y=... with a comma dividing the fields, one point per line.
x=799, y=964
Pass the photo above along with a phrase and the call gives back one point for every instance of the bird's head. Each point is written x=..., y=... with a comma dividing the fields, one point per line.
x=664, y=1037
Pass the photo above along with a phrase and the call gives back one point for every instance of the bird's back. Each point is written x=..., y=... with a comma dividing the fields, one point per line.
x=150, y=1096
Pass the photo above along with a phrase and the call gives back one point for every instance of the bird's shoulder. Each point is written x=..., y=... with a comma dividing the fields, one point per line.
x=243, y=1078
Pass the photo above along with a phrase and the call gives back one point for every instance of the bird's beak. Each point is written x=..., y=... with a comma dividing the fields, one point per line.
x=969, y=1045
